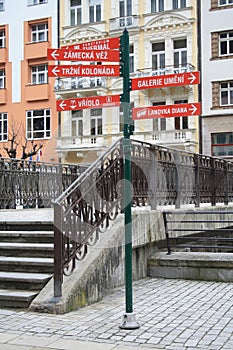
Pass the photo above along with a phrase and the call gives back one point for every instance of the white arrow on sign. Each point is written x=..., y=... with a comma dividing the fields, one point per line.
x=192, y=78
x=54, y=54
x=62, y=104
x=55, y=70
x=193, y=109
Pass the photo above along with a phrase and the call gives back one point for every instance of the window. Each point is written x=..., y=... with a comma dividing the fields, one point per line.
x=2, y=78
x=95, y=11
x=226, y=43
x=77, y=123
x=39, y=32
x=179, y=4
x=222, y=144
x=225, y=2
x=125, y=8
x=40, y=74
x=75, y=12
x=2, y=38
x=157, y=6
x=2, y=5
x=159, y=124
x=158, y=55
x=131, y=58
x=3, y=127
x=38, y=124
x=226, y=93
x=96, y=121
x=181, y=122
x=180, y=55
x=36, y=2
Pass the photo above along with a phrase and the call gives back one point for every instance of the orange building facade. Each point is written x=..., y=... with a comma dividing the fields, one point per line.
x=28, y=115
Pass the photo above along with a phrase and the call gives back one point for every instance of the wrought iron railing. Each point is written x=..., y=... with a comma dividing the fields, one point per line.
x=30, y=184
x=160, y=176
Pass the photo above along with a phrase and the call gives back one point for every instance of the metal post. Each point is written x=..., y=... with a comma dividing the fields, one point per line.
x=58, y=276
x=129, y=320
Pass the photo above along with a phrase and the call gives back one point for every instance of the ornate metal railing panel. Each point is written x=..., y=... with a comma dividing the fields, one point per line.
x=159, y=176
x=33, y=184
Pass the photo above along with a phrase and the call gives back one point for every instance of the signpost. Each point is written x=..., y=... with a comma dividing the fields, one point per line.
x=83, y=70
x=107, y=50
x=167, y=111
x=102, y=44
x=83, y=55
x=88, y=102
x=169, y=80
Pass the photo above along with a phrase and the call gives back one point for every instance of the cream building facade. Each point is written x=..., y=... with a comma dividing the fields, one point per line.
x=163, y=40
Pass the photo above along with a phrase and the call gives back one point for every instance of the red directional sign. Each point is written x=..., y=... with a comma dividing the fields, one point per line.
x=83, y=55
x=83, y=71
x=168, y=80
x=88, y=102
x=103, y=44
x=167, y=111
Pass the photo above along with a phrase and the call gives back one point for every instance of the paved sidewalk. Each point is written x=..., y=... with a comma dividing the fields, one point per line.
x=173, y=315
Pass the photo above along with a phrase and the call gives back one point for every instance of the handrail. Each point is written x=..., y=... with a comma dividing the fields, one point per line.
x=160, y=176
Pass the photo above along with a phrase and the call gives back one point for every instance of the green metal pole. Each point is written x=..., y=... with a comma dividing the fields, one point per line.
x=129, y=321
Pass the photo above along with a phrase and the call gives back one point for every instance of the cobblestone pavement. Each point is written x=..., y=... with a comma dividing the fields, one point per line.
x=173, y=315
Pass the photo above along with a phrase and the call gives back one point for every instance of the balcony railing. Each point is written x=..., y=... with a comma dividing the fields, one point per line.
x=170, y=136
x=182, y=68
x=79, y=83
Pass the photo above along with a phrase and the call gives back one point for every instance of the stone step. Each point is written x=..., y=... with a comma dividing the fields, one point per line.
x=192, y=265
x=26, y=264
x=10, y=298
x=26, y=249
x=27, y=236
x=23, y=280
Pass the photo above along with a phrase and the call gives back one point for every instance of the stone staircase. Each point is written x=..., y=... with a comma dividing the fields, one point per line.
x=26, y=261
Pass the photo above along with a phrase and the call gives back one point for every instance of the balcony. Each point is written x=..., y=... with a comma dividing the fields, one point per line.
x=36, y=50
x=164, y=70
x=184, y=139
x=3, y=55
x=3, y=95
x=82, y=86
x=37, y=92
x=117, y=24
x=81, y=143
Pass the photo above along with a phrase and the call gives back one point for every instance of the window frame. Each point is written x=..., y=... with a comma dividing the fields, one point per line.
x=228, y=3
x=77, y=9
x=182, y=61
x=2, y=39
x=77, y=123
x=95, y=16
x=125, y=8
x=228, y=93
x=159, y=124
x=36, y=2
x=2, y=78
x=37, y=32
x=229, y=41
x=3, y=126
x=37, y=73
x=219, y=145
x=158, y=56
x=179, y=4
x=180, y=122
x=157, y=6
x=2, y=5
x=31, y=120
